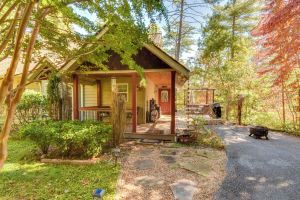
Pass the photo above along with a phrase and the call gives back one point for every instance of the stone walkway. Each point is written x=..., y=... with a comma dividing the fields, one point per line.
x=163, y=172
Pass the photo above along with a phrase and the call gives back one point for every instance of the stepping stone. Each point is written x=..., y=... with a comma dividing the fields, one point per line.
x=169, y=159
x=168, y=152
x=200, y=167
x=145, y=152
x=150, y=141
x=148, y=181
x=184, y=189
x=144, y=164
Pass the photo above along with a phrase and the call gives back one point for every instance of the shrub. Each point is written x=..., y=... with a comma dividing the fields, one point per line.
x=41, y=132
x=32, y=106
x=68, y=138
x=82, y=138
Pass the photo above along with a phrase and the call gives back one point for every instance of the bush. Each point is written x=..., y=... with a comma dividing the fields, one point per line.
x=41, y=132
x=68, y=138
x=32, y=106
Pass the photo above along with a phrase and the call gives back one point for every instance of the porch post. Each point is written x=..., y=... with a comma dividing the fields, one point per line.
x=75, y=97
x=99, y=91
x=99, y=98
x=133, y=103
x=206, y=98
x=173, y=106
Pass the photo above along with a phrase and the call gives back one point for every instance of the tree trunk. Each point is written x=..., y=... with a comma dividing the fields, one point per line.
x=9, y=76
x=12, y=104
x=283, y=103
x=9, y=10
x=10, y=31
x=233, y=32
x=3, y=5
x=178, y=46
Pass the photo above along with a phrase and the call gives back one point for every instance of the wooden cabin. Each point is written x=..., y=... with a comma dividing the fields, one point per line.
x=92, y=89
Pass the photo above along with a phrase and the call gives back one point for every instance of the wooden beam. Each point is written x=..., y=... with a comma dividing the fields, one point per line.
x=99, y=93
x=173, y=100
x=75, y=97
x=133, y=103
x=206, y=98
x=99, y=98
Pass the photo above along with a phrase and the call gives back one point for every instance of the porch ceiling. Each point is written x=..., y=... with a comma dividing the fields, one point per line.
x=159, y=78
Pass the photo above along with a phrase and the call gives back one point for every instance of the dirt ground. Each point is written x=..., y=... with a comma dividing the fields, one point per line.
x=149, y=170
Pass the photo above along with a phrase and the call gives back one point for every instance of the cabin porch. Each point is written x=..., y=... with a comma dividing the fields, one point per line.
x=91, y=99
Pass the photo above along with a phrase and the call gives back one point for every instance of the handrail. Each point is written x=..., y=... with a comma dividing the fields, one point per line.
x=99, y=109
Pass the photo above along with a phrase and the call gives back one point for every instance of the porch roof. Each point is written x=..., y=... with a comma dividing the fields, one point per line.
x=72, y=64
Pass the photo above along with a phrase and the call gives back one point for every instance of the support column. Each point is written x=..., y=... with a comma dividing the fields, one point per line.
x=99, y=98
x=133, y=103
x=173, y=101
x=75, y=97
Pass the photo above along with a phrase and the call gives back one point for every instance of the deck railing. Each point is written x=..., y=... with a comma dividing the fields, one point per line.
x=95, y=113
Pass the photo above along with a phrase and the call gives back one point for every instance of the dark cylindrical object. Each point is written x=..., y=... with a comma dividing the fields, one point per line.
x=216, y=107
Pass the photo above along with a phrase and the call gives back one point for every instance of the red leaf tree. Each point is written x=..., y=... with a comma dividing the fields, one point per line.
x=279, y=40
x=279, y=47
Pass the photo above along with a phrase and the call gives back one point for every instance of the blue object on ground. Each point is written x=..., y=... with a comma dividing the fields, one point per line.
x=99, y=193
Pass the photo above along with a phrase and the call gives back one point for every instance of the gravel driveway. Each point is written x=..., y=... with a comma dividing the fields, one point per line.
x=260, y=169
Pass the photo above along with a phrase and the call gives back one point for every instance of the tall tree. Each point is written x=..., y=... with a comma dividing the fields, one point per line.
x=279, y=48
x=171, y=39
x=31, y=29
x=183, y=16
x=226, y=50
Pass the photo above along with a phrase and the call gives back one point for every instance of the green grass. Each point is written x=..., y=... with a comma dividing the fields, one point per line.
x=23, y=178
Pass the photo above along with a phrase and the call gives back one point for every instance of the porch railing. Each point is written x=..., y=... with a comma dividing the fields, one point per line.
x=95, y=113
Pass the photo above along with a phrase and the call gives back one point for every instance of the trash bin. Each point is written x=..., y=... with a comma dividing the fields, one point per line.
x=217, y=110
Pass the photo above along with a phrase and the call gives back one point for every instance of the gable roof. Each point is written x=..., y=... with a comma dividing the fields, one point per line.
x=35, y=68
x=155, y=50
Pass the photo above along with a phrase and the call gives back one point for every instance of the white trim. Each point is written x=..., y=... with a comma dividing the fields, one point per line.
x=127, y=90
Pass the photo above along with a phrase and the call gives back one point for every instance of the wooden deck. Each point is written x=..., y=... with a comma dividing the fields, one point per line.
x=160, y=130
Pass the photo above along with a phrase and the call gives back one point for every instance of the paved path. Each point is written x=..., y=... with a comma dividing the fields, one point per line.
x=260, y=169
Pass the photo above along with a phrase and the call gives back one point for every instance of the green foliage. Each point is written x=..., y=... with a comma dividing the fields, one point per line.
x=171, y=38
x=82, y=138
x=23, y=179
x=41, y=132
x=226, y=53
x=31, y=107
x=54, y=94
x=68, y=138
x=206, y=137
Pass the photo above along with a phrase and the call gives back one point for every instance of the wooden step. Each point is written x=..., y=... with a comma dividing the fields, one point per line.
x=167, y=137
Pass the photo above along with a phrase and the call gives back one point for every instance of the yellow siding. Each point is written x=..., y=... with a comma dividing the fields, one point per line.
x=36, y=86
x=90, y=95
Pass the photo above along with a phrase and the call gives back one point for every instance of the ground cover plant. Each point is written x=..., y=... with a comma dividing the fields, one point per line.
x=24, y=178
x=206, y=137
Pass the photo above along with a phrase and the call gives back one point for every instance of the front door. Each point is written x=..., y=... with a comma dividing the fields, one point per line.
x=164, y=101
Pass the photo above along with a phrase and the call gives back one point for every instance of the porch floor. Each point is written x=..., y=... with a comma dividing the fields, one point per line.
x=161, y=126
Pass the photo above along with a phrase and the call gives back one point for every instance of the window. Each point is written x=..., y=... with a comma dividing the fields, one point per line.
x=164, y=95
x=122, y=90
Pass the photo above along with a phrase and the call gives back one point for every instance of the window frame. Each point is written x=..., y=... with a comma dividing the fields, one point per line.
x=127, y=90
